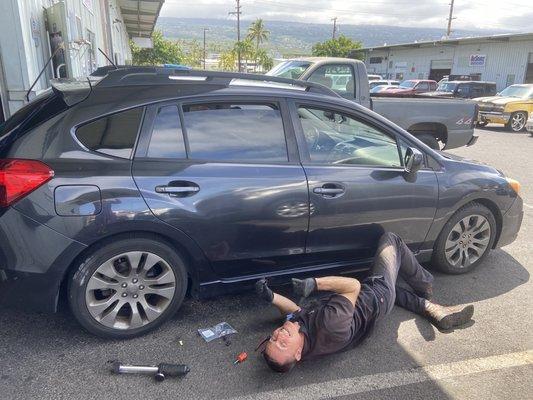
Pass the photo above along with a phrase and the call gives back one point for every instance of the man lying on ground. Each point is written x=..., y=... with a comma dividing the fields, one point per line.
x=342, y=320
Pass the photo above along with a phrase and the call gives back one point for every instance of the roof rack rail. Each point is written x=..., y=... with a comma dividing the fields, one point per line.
x=164, y=75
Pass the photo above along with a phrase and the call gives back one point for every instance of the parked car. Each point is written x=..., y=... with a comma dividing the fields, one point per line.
x=511, y=107
x=465, y=90
x=372, y=77
x=446, y=123
x=129, y=192
x=373, y=84
x=529, y=124
x=409, y=88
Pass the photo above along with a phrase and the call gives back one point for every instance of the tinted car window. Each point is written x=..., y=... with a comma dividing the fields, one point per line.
x=422, y=86
x=235, y=132
x=114, y=134
x=167, y=138
x=335, y=138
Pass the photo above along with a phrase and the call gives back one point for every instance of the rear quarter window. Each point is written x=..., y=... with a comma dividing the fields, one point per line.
x=114, y=134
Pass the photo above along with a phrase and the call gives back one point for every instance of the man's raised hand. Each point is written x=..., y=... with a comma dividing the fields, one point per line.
x=263, y=291
x=304, y=287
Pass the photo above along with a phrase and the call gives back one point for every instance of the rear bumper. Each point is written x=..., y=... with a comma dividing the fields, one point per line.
x=33, y=262
x=511, y=223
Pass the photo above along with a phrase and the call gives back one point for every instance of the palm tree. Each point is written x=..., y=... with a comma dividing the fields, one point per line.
x=258, y=33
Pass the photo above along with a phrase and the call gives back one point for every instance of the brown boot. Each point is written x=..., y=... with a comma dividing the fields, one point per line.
x=446, y=318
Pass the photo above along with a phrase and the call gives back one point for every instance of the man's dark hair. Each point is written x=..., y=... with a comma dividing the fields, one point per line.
x=278, y=367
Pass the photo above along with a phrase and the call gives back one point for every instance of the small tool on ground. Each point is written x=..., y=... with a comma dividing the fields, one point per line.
x=240, y=358
x=159, y=372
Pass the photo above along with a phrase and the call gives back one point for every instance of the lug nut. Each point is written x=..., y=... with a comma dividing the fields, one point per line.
x=135, y=280
x=124, y=285
x=135, y=296
x=124, y=294
x=141, y=287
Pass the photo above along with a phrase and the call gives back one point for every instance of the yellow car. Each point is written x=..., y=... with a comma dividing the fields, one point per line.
x=511, y=107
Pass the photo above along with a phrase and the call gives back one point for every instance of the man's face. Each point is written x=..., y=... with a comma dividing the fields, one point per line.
x=286, y=343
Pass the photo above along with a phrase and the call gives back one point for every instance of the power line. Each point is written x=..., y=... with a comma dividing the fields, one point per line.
x=238, y=13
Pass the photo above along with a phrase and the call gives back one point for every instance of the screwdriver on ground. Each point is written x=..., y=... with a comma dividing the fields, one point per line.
x=240, y=358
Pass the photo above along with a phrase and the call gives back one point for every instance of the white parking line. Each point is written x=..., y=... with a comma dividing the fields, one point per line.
x=369, y=383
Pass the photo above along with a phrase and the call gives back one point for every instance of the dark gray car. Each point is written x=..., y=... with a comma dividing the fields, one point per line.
x=128, y=191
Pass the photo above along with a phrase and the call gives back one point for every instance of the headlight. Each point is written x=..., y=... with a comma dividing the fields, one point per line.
x=499, y=108
x=514, y=184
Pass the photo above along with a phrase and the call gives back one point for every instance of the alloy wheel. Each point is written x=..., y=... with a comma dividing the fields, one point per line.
x=468, y=241
x=518, y=121
x=130, y=290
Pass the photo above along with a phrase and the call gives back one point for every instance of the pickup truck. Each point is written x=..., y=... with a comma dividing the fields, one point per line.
x=439, y=123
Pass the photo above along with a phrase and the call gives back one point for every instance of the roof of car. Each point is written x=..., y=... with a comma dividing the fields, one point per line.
x=484, y=82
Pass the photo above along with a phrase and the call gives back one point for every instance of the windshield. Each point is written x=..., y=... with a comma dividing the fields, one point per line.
x=447, y=87
x=521, y=92
x=407, y=84
x=289, y=69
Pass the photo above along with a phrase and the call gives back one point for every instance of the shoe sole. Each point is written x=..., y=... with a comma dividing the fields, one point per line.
x=457, y=319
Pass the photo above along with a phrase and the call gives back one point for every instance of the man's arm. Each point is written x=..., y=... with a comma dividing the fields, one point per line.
x=347, y=287
x=284, y=305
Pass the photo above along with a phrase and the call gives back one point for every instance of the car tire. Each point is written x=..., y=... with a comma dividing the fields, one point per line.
x=456, y=252
x=154, y=302
x=429, y=140
x=517, y=121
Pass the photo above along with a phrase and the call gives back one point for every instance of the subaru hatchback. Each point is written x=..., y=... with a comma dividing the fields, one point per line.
x=129, y=190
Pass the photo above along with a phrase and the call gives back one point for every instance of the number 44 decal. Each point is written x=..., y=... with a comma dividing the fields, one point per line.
x=464, y=121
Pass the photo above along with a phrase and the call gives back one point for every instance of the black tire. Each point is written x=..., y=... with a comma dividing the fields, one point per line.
x=81, y=274
x=522, y=126
x=439, y=260
x=429, y=140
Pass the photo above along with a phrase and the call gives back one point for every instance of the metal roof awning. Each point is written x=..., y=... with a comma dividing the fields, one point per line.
x=140, y=16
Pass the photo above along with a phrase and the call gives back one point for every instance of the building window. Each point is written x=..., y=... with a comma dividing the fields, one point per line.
x=376, y=60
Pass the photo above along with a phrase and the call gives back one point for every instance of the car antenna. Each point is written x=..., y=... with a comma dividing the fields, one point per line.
x=108, y=59
x=60, y=47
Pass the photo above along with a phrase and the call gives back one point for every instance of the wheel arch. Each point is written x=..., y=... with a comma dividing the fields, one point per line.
x=193, y=263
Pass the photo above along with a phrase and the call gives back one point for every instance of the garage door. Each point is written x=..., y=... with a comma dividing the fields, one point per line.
x=441, y=64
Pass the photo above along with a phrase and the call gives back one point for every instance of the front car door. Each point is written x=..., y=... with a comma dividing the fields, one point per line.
x=357, y=183
x=226, y=172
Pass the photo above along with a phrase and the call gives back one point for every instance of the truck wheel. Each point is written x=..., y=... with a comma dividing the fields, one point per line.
x=127, y=288
x=517, y=122
x=465, y=240
x=428, y=139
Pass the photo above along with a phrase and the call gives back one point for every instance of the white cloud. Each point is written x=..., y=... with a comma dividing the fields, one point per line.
x=512, y=15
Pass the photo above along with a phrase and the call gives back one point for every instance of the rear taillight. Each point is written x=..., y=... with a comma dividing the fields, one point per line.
x=18, y=178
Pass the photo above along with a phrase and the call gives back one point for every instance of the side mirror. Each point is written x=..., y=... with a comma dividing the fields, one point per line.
x=413, y=160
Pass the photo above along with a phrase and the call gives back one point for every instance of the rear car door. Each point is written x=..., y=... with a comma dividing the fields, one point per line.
x=357, y=183
x=226, y=172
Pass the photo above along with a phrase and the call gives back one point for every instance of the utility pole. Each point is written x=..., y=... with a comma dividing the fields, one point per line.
x=449, y=30
x=238, y=13
x=205, y=30
x=334, y=19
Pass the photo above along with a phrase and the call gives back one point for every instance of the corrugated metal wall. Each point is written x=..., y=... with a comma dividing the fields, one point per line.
x=506, y=62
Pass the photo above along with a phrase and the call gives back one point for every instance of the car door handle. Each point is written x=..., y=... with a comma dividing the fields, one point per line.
x=177, y=190
x=330, y=190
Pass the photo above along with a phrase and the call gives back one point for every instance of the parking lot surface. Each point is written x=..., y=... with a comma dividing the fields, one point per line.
x=50, y=357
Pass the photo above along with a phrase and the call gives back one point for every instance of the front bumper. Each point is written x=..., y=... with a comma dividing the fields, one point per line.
x=511, y=223
x=494, y=117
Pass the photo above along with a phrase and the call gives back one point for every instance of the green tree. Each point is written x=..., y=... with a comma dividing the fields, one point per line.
x=194, y=55
x=258, y=33
x=228, y=60
x=163, y=52
x=263, y=59
x=338, y=47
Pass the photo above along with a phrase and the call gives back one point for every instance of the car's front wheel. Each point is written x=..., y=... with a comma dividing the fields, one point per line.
x=517, y=121
x=127, y=288
x=465, y=240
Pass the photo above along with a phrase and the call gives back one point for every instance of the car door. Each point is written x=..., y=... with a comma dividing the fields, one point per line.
x=226, y=172
x=357, y=183
x=422, y=87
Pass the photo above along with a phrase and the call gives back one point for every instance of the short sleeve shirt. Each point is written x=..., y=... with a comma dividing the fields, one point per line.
x=334, y=324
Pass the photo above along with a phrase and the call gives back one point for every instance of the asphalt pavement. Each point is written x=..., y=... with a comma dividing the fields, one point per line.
x=50, y=357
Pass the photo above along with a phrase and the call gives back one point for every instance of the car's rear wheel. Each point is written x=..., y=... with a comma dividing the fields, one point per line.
x=430, y=140
x=465, y=240
x=127, y=288
x=517, y=121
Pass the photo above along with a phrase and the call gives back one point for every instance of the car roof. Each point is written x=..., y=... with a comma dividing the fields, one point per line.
x=473, y=82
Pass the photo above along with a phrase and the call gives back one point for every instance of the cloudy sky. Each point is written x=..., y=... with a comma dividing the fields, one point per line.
x=508, y=15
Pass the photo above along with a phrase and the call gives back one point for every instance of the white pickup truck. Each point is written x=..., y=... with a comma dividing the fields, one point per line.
x=440, y=123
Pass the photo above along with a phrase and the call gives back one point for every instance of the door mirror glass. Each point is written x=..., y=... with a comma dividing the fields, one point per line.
x=413, y=160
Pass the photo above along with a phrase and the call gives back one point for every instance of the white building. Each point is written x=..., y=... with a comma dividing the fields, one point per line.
x=31, y=31
x=504, y=59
